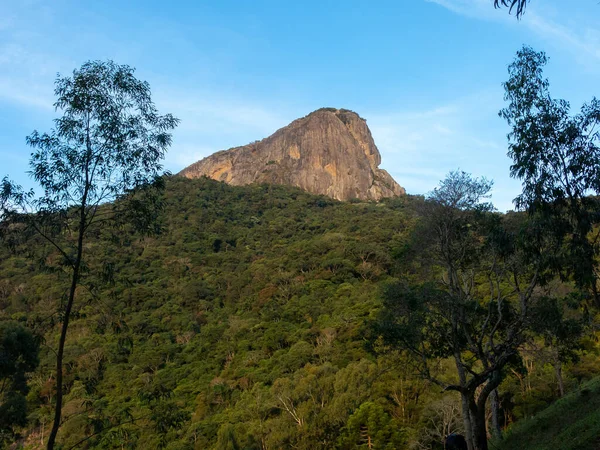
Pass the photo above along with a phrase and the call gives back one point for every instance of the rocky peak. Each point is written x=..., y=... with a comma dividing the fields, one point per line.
x=330, y=151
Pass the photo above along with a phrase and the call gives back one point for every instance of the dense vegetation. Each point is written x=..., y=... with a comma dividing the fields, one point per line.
x=572, y=423
x=243, y=324
x=263, y=317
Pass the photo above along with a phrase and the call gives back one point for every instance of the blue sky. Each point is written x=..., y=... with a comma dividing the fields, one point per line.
x=426, y=74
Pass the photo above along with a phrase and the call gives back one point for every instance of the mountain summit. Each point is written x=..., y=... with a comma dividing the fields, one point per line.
x=330, y=151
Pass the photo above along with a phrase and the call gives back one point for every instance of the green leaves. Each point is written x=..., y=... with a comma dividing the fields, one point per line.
x=18, y=356
x=109, y=139
x=99, y=165
x=370, y=427
x=461, y=191
x=556, y=155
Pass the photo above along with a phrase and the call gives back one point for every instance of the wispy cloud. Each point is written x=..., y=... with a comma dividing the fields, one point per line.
x=213, y=121
x=26, y=75
x=207, y=112
x=583, y=43
x=480, y=9
x=210, y=119
x=25, y=95
x=579, y=36
x=420, y=147
x=184, y=154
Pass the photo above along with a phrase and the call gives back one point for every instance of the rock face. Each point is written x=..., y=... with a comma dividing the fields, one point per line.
x=330, y=151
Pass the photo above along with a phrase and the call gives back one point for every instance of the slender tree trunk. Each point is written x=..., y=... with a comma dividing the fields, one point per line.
x=61, y=346
x=65, y=325
x=559, y=377
x=74, y=280
x=495, y=406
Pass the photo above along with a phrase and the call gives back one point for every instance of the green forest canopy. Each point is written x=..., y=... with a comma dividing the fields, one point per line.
x=266, y=317
x=243, y=325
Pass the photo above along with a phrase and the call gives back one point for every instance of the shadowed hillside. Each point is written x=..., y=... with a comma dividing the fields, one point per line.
x=572, y=423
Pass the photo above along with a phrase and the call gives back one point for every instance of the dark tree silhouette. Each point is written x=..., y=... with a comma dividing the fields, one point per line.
x=517, y=5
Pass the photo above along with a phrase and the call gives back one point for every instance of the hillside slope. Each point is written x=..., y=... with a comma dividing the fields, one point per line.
x=240, y=326
x=571, y=423
x=243, y=324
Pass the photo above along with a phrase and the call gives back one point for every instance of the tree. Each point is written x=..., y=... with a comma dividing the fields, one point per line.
x=440, y=418
x=474, y=307
x=517, y=5
x=556, y=155
x=561, y=329
x=18, y=356
x=106, y=147
x=370, y=427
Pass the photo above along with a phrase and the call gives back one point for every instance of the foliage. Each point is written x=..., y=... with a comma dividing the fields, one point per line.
x=371, y=428
x=517, y=5
x=557, y=158
x=247, y=316
x=106, y=147
x=572, y=423
x=473, y=305
x=18, y=356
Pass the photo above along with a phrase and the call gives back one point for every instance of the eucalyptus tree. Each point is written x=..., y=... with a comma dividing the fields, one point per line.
x=100, y=163
x=556, y=155
x=474, y=304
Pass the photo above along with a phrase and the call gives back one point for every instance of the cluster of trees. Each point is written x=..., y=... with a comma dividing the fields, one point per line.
x=18, y=357
x=243, y=323
x=245, y=317
x=490, y=291
x=106, y=147
x=202, y=315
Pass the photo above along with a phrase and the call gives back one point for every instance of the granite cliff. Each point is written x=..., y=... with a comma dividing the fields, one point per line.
x=330, y=151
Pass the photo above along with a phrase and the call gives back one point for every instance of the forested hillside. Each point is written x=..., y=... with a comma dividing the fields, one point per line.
x=246, y=322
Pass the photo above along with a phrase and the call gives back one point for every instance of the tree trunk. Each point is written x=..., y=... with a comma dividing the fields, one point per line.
x=479, y=427
x=74, y=280
x=65, y=325
x=465, y=399
x=466, y=413
x=495, y=406
x=559, y=378
x=595, y=292
x=59, y=355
